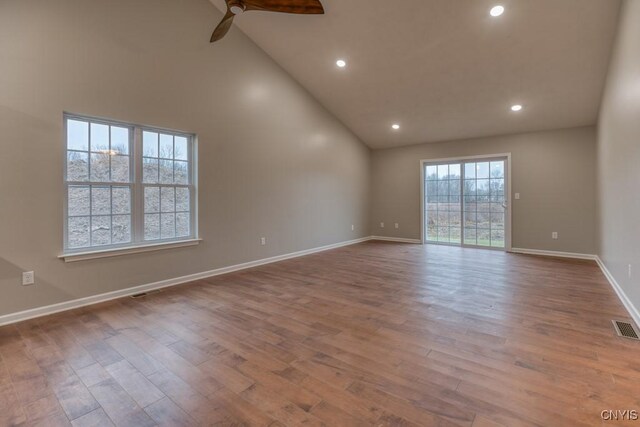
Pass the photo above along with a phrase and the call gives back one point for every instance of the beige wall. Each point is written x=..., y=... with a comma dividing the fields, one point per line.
x=619, y=157
x=554, y=171
x=273, y=162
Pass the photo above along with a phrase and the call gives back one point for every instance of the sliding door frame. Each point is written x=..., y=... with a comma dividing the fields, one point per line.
x=507, y=195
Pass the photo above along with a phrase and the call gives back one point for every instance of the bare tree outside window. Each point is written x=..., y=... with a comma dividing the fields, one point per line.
x=102, y=185
x=465, y=203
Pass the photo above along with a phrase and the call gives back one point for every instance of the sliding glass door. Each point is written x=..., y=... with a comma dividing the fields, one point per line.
x=465, y=203
x=443, y=203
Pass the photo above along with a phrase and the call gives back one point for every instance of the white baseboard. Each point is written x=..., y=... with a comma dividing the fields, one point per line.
x=395, y=239
x=95, y=299
x=554, y=254
x=633, y=311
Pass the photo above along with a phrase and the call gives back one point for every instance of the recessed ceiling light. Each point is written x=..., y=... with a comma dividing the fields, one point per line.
x=395, y=126
x=516, y=107
x=341, y=63
x=496, y=11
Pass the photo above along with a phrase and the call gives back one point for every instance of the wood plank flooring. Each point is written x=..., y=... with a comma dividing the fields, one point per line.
x=377, y=334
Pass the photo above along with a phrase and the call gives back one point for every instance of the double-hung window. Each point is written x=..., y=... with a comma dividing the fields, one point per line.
x=126, y=185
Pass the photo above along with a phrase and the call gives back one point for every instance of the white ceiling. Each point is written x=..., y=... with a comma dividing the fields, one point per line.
x=445, y=69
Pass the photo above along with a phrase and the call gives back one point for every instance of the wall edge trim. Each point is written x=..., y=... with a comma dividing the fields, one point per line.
x=557, y=254
x=395, y=239
x=108, y=296
x=633, y=311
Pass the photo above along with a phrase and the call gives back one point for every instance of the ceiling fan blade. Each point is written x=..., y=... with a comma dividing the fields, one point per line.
x=223, y=27
x=312, y=7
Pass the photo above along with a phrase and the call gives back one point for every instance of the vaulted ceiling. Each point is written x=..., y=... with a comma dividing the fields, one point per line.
x=445, y=69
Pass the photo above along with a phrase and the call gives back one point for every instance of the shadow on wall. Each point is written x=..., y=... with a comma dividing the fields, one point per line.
x=11, y=276
x=14, y=117
x=9, y=271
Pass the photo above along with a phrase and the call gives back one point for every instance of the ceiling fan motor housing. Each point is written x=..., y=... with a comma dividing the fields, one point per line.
x=237, y=7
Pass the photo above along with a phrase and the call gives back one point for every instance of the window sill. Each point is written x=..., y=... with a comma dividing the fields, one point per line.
x=108, y=253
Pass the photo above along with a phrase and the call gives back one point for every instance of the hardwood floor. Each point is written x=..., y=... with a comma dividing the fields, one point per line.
x=374, y=334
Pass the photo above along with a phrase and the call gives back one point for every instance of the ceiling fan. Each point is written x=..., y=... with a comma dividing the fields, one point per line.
x=237, y=7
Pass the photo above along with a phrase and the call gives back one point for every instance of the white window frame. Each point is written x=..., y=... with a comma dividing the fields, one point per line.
x=138, y=243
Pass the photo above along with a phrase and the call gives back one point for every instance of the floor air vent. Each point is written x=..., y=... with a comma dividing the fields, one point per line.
x=626, y=330
x=144, y=294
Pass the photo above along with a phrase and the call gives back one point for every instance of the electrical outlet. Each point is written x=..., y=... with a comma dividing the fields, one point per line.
x=263, y=241
x=517, y=196
x=554, y=235
x=353, y=227
x=397, y=225
x=382, y=225
x=28, y=278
